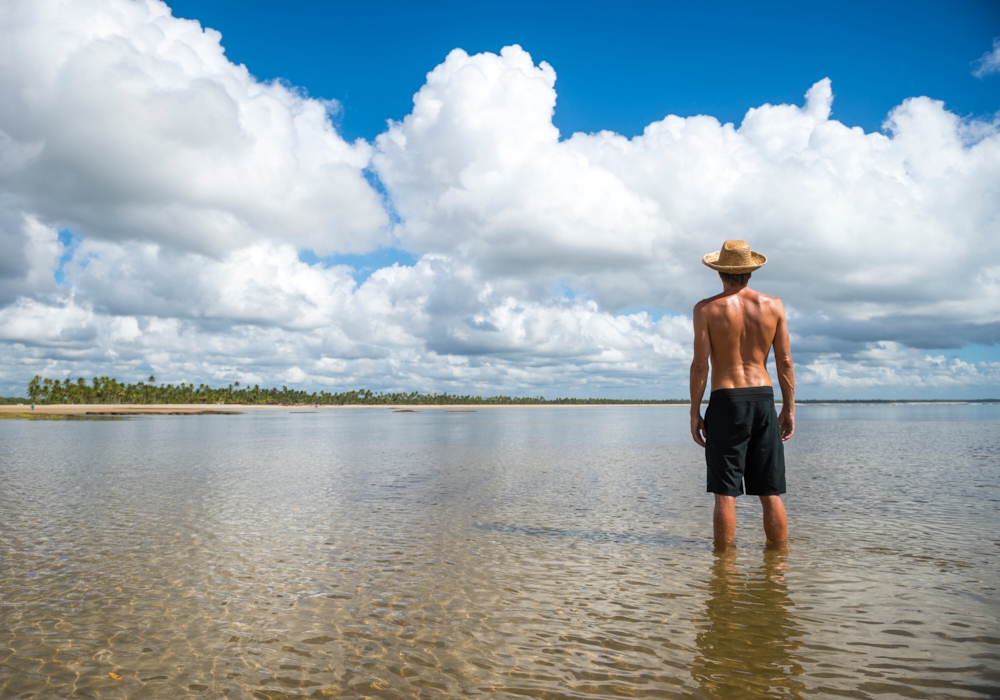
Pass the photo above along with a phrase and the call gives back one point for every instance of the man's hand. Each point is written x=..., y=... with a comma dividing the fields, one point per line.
x=698, y=429
x=786, y=421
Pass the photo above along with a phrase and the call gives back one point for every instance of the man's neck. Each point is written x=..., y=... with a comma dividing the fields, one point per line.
x=730, y=289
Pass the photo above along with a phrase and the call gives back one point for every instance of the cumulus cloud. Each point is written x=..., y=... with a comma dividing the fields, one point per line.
x=29, y=254
x=477, y=170
x=989, y=62
x=907, y=372
x=121, y=121
x=545, y=262
x=401, y=328
x=867, y=227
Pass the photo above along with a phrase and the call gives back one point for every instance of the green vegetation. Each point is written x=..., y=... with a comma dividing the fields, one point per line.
x=12, y=401
x=104, y=390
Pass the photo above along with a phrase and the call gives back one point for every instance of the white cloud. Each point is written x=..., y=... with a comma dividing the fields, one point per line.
x=263, y=284
x=402, y=328
x=906, y=372
x=192, y=187
x=989, y=62
x=29, y=254
x=123, y=122
x=858, y=226
x=477, y=170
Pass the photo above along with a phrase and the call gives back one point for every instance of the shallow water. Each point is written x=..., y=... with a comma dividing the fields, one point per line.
x=550, y=553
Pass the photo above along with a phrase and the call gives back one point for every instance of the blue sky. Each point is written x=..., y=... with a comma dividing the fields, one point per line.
x=532, y=219
x=623, y=65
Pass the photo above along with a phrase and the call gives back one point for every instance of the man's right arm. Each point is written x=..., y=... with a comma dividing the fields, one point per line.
x=699, y=373
x=786, y=375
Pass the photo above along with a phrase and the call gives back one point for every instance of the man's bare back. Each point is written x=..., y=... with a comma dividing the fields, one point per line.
x=733, y=335
x=738, y=328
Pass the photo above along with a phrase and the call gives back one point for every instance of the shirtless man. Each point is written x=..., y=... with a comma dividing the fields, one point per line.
x=741, y=435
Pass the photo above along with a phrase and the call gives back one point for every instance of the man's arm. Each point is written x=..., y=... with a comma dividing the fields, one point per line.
x=699, y=373
x=786, y=375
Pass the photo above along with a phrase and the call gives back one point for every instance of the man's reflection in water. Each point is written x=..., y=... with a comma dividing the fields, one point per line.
x=748, y=635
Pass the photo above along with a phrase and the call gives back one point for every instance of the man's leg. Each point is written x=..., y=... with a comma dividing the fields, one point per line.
x=724, y=520
x=775, y=520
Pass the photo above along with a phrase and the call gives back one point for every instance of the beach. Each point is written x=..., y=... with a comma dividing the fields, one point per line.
x=234, y=409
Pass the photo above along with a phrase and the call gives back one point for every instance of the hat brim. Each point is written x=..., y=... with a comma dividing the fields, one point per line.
x=712, y=261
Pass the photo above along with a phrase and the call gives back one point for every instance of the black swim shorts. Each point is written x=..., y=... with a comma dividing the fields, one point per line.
x=744, y=443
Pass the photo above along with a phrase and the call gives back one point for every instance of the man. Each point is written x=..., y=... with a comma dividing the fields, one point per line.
x=741, y=434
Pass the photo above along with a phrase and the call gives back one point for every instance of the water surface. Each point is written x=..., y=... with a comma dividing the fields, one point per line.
x=549, y=553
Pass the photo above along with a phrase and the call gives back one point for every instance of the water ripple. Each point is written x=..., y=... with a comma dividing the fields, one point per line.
x=496, y=554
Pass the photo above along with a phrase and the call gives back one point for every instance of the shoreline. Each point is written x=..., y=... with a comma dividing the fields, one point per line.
x=237, y=409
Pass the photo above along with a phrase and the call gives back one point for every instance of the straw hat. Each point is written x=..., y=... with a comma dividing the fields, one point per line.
x=735, y=258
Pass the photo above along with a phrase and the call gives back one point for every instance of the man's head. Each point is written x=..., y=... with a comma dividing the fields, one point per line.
x=731, y=280
x=734, y=262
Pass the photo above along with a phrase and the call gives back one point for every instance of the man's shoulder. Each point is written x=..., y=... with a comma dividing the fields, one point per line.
x=768, y=299
x=771, y=307
x=759, y=296
x=720, y=302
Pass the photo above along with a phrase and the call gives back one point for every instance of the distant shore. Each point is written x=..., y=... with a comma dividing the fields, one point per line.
x=188, y=398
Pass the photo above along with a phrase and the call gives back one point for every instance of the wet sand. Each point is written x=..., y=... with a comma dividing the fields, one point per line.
x=234, y=409
x=118, y=410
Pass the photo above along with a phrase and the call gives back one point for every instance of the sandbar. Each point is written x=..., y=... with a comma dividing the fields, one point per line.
x=234, y=409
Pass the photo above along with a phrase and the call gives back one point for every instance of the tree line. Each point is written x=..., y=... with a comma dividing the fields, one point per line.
x=105, y=390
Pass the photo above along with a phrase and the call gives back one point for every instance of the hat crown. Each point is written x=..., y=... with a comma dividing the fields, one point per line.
x=735, y=253
x=735, y=258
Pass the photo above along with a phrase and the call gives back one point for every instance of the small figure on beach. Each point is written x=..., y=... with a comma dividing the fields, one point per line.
x=741, y=433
